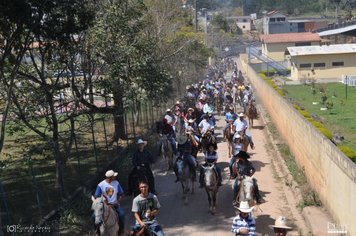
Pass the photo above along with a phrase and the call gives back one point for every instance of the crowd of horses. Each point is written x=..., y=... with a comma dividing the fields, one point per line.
x=221, y=94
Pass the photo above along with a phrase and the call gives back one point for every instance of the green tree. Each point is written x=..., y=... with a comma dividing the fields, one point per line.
x=51, y=28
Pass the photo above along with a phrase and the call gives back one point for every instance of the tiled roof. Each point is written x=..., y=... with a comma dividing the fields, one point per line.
x=322, y=50
x=290, y=38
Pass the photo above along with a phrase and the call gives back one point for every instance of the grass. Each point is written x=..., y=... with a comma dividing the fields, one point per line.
x=309, y=197
x=338, y=119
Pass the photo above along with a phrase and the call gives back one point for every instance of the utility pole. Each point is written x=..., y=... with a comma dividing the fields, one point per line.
x=196, y=16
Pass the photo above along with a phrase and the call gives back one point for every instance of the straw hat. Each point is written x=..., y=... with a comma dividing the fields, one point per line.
x=244, y=207
x=190, y=109
x=236, y=136
x=241, y=114
x=190, y=121
x=281, y=223
x=182, y=139
x=168, y=110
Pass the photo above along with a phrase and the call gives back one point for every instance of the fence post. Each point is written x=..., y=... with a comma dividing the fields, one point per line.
x=106, y=138
x=146, y=112
x=78, y=157
x=133, y=120
x=126, y=129
x=94, y=143
x=34, y=182
x=3, y=197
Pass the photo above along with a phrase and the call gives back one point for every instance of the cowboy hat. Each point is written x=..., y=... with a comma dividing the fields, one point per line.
x=190, y=121
x=110, y=173
x=243, y=155
x=190, y=109
x=241, y=114
x=281, y=223
x=140, y=141
x=182, y=139
x=178, y=102
x=244, y=207
x=236, y=136
x=168, y=110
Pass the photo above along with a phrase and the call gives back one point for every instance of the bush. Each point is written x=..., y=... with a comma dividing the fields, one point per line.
x=326, y=132
x=304, y=113
x=349, y=152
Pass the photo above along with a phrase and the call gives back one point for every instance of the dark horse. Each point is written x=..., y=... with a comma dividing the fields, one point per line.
x=207, y=139
x=138, y=176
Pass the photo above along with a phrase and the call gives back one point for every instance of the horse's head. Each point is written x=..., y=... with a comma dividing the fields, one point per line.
x=209, y=175
x=247, y=184
x=98, y=208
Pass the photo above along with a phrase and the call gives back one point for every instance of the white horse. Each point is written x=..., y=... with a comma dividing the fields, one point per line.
x=246, y=191
x=186, y=178
x=106, y=218
x=166, y=151
x=211, y=186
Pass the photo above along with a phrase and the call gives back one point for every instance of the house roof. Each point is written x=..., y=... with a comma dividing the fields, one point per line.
x=322, y=50
x=273, y=12
x=290, y=37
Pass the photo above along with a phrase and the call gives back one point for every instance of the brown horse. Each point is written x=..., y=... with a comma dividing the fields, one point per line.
x=246, y=141
x=228, y=135
x=251, y=113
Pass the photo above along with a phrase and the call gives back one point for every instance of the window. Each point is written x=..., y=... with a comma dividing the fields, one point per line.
x=321, y=64
x=279, y=19
x=272, y=19
x=244, y=20
x=305, y=65
x=303, y=44
x=338, y=63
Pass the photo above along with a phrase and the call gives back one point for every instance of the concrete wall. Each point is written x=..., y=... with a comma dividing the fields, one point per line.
x=329, y=172
x=327, y=72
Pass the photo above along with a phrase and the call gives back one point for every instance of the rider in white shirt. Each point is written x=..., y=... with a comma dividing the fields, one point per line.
x=204, y=125
x=240, y=124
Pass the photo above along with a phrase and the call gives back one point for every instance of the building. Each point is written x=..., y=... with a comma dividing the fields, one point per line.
x=326, y=62
x=275, y=45
x=275, y=22
x=244, y=23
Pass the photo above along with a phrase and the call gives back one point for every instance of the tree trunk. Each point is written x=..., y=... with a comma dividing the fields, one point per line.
x=119, y=120
x=59, y=184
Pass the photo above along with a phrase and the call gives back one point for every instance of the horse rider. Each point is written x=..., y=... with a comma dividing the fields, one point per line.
x=142, y=158
x=229, y=118
x=191, y=127
x=171, y=119
x=167, y=130
x=211, y=157
x=241, y=168
x=185, y=148
x=244, y=223
x=113, y=193
x=145, y=207
x=240, y=126
x=204, y=125
x=190, y=115
x=280, y=227
x=237, y=146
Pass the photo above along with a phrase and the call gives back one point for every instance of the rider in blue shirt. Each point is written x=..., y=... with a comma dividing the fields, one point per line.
x=113, y=193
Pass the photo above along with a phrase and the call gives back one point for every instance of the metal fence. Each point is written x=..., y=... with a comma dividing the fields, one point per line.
x=27, y=190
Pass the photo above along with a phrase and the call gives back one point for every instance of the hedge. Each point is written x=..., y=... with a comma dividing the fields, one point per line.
x=349, y=152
